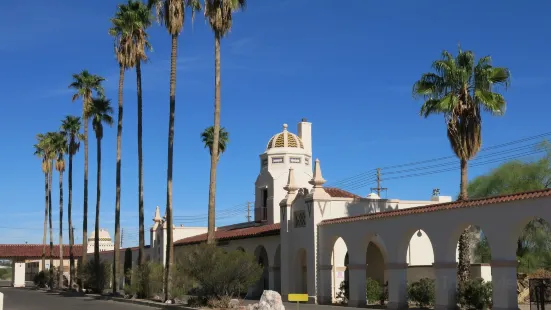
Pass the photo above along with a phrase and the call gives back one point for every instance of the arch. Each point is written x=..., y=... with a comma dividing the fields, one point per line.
x=301, y=272
x=339, y=270
x=263, y=283
x=419, y=256
x=533, y=243
x=375, y=263
x=277, y=269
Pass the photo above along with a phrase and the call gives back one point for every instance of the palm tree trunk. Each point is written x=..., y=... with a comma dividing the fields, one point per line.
x=46, y=183
x=116, y=255
x=215, y=142
x=71, y=237
x=463, y=195
x=169, y=243
x=50, y=225
x=141, y=237
x=60, y=283
x=85, y=205
x=96, y=233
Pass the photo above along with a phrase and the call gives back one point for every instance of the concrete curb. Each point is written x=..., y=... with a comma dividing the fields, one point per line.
x=1, y=301
x=141, y=302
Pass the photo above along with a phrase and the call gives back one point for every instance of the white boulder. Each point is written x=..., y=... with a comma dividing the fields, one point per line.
x=270, y=300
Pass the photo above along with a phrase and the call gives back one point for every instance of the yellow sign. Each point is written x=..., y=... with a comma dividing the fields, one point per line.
x=298, y=297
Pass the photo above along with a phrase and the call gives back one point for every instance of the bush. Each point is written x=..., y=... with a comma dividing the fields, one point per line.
x=41, y=279
x=342, y=294
x=216, y=272
x=475, y=294
x=146, y=281
x=422, y=292
x=92, y=280
x=373, y=290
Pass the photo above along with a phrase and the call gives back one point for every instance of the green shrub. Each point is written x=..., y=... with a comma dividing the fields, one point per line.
x=422, y=292
x=373, y=291
x=216, y=272
x=342, y=294
x=42, y=279
x=92, y=280
x=475, y=294
x=146, y=281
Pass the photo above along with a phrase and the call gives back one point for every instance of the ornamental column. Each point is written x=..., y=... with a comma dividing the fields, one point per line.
x=325, y=291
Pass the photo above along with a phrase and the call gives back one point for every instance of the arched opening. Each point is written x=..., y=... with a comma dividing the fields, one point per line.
x=533, y=252
x=277, y=270
x=419, y=257
x=375, y=262
x=475, y=250
x=339, y=272
x=264, y=282
x=301, y=272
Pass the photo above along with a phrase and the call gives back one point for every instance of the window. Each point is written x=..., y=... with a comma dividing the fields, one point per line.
x=277, y=160
x=300, y=218
x=306, y=161
x=295, y=160
x=264, y=204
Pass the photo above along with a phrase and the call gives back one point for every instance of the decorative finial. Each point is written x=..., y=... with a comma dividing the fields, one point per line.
x=291, y=187
x=318, y=180
x=285, y=127
x=157, y=217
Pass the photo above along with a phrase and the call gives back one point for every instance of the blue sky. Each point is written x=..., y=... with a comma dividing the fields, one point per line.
x=347, y=68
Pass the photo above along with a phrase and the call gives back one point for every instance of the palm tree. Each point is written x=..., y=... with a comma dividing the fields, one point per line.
x=50, y=136
x=460, y=90
x=41, y=150
x=85, y=85
x=219, y=15
x=172, y=14
x=70, y=127
x=99, y=112
x=128, y=30
x=59, y=143
x=207, y=137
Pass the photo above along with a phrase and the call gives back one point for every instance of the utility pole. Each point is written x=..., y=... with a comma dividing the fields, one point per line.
x=379, y=188
x=248, y=211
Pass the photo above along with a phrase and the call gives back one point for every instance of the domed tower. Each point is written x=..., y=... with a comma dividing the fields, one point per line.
x=105, y=242
x=284, y=150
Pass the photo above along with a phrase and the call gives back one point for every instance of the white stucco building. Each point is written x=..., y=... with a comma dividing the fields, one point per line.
x=309, y=238
x=105, y=241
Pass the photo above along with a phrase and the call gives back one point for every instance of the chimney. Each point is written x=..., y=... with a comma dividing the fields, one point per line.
x=305, y=134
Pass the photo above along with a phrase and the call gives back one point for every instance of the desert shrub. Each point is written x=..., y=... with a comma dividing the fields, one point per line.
x=92, y=280
x=42, y=279
x=475, y=294
x=373, y=290
x=223, y=302
x=342, y=294
x=219, y=273
x=422, y=292
x=146, y=281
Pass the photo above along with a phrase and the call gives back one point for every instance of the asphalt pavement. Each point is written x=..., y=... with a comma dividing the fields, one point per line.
x=27, y=299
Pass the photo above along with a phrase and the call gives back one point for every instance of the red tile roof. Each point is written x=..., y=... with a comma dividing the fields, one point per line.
x=443, y=206
x=232, y=234
x=35, y=251
x=121, y=250
x=339, y=193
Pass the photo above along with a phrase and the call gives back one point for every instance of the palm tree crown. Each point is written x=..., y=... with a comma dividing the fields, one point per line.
x=460, y=90
x=85, y=83
x=128, y=29
x=207, y=136
x=70, y=127
x=219, y=14
x=59, y=145
x=172, y=12
x=100, y=112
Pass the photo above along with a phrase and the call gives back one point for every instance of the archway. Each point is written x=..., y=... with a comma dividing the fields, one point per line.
x=419, y=257
x=277, y=270
x=478, y=253
x=375, y=262
x=264, y=282
x=301, y=272
x=339, y=272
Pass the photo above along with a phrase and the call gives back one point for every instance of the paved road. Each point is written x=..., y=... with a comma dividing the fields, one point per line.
x=25, y=299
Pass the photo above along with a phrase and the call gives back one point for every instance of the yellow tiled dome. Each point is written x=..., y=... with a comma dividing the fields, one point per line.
x=285, y=139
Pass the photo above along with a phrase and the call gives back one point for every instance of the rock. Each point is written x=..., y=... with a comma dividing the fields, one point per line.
x=169, y=301
x=234, y=303
x=270, y=300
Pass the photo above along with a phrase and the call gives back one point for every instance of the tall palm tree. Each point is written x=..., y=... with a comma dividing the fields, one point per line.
x=70, y=127
x=207, y=136
x=85, y=85
x=99, y=112
x=460, y=90
x=219, y=15
x=172, y=14
x=41, y=150
x=128, y=30
x=50, y=136
x=59, y=142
